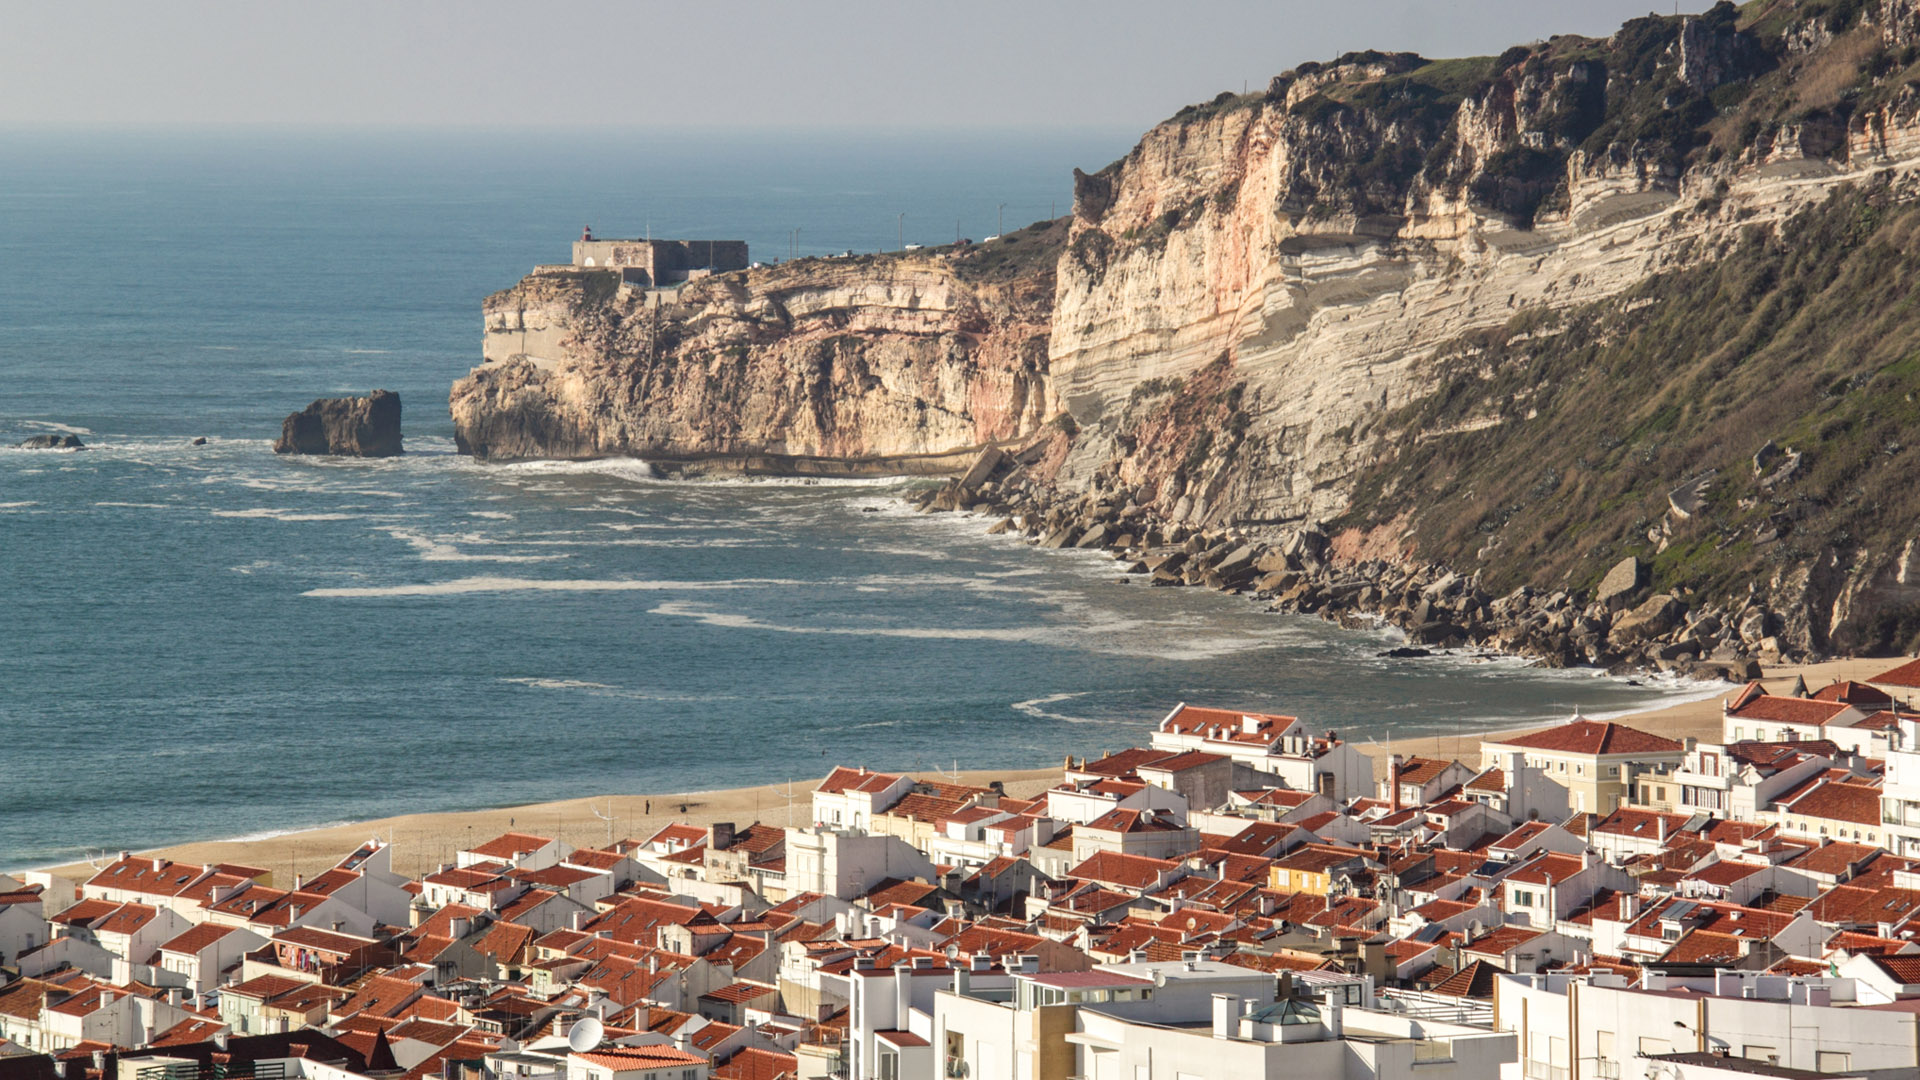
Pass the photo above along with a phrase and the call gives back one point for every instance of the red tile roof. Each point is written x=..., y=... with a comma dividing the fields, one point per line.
x=1227, y=725
x=1130, y=871
x=197, y=938
x=842, y=780
x=1788, y=710
x=511, y=846
x=1907, y=674
x=1855, y=804
x=1595, y=737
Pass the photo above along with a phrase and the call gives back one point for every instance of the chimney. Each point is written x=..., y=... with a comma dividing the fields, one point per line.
x=1226, y=1010
x=962, y=980
x=721, y=837
x=1029, y=964
x=980, y=962
x=1336, y=1020
x=1394, y=765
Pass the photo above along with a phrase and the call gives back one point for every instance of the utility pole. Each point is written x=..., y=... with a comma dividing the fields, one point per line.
x=796, y=242
x=787, y=795
x=606, y=817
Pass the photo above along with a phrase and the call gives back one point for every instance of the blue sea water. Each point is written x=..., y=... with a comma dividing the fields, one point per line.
x=212, y=641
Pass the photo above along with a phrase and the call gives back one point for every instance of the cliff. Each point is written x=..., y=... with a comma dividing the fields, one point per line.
x=1521, y=316
x=875, y=364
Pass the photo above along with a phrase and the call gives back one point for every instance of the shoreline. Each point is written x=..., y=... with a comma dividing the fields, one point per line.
x=424, y=840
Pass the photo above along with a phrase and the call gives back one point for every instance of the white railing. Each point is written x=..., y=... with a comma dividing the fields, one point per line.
x=1423, y=1006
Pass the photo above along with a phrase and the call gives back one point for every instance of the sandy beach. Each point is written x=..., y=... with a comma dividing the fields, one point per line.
x=424, y=841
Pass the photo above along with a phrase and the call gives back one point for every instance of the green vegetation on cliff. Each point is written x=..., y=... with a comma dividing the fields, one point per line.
x=1548, y=449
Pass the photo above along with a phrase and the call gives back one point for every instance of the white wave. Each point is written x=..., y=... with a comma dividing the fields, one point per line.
x=605, y=690
x=17, y=505
x=48, y=425
x=369, y=352
x=1035, y=707
x=560, y=684
x=435, y=550
x=1122, y=637
x=492, y=584
x=278, y=514
x=137, y=506
x=491, y=515
x=620, y=468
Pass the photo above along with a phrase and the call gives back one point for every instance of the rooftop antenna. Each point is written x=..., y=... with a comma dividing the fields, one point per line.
x=954, y=775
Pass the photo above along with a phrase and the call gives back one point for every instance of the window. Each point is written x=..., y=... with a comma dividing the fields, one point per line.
x=1613, y=771
x=1739, y=733
x=1579, y=769
x=1832, y=1060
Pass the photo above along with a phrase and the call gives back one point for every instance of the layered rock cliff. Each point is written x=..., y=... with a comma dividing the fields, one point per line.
x=877, y=364
x=1521, y=315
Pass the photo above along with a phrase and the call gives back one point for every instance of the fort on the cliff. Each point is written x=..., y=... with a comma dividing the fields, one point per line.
x=651, y=263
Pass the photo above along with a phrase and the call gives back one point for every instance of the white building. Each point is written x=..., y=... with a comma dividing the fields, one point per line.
x=847, y=864
x=849, y=798
x=1280, y=745
x=1588, y=1028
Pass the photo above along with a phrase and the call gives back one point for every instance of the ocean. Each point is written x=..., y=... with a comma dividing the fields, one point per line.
x=208, y=641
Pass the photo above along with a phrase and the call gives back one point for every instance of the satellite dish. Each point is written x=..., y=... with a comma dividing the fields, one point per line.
x=585, y=1035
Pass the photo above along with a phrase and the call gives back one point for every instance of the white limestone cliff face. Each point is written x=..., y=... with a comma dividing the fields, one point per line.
x=1328, y=319
x=869, y=364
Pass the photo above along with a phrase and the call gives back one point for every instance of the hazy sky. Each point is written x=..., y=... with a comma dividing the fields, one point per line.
x=704, y=63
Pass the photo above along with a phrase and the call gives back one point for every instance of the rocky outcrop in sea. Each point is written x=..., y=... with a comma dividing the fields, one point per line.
x=351, y=427
x=51, y=442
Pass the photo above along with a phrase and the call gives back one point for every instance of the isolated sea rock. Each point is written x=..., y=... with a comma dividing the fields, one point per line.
x=350, y=427
x=52, y=442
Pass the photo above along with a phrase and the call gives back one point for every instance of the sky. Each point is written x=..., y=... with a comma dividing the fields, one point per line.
x=740, y=64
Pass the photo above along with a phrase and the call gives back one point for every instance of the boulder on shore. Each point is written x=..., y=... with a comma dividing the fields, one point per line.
x=52, y=442
x=351, y=427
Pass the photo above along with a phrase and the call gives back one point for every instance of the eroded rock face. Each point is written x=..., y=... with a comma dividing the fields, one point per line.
x=897, y=364
x=350, y=427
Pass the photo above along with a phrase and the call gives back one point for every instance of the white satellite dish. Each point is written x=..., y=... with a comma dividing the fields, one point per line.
x=585, y=1035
